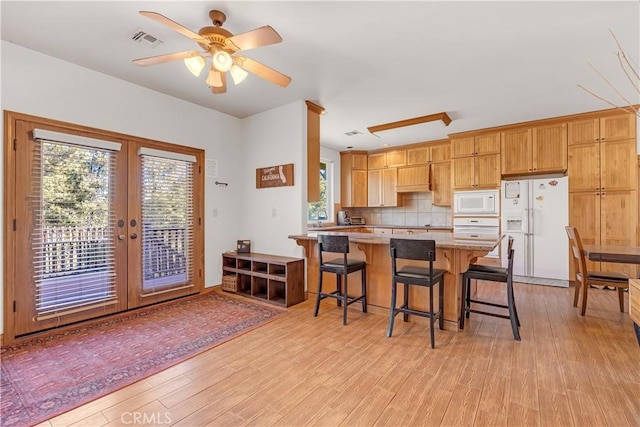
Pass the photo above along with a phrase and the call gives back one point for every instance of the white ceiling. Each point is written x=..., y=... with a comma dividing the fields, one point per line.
x=367, y=63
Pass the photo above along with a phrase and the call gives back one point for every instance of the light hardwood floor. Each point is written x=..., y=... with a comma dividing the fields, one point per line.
x=300, y=370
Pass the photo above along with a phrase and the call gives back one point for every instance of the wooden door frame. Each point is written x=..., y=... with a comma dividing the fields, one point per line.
x=9, y=204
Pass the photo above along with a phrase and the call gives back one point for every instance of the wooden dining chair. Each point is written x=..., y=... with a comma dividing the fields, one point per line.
x=584, y=278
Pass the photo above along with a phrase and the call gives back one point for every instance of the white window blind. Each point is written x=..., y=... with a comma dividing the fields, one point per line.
x=72, y=242
x=167, y=221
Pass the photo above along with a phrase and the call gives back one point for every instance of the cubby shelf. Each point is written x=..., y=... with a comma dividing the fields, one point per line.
x=272, y=278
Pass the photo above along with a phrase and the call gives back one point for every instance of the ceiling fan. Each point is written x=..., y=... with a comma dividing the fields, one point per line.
x=222, y=47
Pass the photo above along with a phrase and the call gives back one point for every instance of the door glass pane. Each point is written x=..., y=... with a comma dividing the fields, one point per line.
x=167, y=219
x=73, y=238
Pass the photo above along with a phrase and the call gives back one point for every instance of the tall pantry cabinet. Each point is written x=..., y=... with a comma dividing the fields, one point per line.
x=602, y=169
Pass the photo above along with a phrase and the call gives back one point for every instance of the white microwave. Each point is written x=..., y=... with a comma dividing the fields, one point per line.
x=478, y=202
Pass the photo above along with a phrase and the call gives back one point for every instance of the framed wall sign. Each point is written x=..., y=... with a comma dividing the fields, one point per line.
x=274, y=176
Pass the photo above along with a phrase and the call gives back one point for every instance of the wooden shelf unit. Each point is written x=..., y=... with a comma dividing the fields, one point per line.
x=272, y=278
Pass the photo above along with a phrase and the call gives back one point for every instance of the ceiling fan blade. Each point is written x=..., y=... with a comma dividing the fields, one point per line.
x=262, y=36
x=262, y=71
x=174, y=26
x=152, y=60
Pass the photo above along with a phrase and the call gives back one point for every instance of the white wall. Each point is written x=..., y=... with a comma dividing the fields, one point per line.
x=269, y=215
x=78, y=95
x=334, y=157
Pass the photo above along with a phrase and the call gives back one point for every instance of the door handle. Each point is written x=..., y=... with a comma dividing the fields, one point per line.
x=121, y=237
x=133, y=235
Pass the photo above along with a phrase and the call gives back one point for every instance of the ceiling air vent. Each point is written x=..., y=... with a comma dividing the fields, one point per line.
x=141, y=36
x=353, y=132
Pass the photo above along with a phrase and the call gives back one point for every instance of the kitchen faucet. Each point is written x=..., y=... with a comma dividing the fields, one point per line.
x=326, y=215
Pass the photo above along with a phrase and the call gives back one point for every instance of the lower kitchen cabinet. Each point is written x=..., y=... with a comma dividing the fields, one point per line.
x=271, y=278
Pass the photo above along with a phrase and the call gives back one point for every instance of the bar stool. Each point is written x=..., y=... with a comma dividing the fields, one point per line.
x=340, y=267
x=493, y=274
x=409, y=275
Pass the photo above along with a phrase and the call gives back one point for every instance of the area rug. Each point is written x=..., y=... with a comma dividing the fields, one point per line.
x=47, y=376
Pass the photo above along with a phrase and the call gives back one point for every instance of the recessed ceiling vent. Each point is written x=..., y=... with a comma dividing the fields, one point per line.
x=353, y=132
x=141, y=36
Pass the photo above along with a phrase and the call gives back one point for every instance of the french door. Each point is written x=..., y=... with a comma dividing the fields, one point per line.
x=101, y=223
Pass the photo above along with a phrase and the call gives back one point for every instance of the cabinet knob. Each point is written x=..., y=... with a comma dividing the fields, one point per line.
x=602, y=188
x=602, y=139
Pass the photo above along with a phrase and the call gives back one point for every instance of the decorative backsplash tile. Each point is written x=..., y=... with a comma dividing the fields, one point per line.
x=416, y=209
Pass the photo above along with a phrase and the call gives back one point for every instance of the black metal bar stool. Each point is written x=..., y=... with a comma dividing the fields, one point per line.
x=417, y=250
x=493, y=274
x=340, y=267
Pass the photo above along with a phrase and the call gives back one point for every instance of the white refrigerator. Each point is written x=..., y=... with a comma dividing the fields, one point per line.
x=534, y=213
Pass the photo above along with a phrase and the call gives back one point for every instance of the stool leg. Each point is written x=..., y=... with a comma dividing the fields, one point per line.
x=339, y=288
x=392, y=309
x=463, y=302
x=621, y=299
x=467, y=303
x=344, y=299
x=512, y=314
x=405, y=316
x=364, y=289
x=441, y=302
x=433, y=340
x=318, y=296
x=515, y=308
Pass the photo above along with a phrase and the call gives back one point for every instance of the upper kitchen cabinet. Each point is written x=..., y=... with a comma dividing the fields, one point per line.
x=381, y=187
x=441, y=183
x=426, y=153
x=387, y=159
x=602, y=154
x=477, y=145
x=537, y=150
x=475, y=162
x=353, y=179
x=601, y=129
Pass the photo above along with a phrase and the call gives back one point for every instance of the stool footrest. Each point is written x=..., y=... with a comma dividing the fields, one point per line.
x=339, y=297
x=492, y=304
x=405, y=310
x=503, y=316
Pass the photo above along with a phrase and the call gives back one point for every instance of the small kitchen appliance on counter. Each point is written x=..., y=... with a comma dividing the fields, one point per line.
x=357, y=220
x=344, y=218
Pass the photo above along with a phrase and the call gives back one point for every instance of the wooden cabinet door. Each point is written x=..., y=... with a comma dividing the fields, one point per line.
x=463, y=147
x=584, y=167
x=584, y=214
x=487, y=144
x=618, y=165
x=615, y=128
x=463, y=175
x=583, y=131
x=549, y=150
x=396, y=158
x=376, y=161
x=374, y=187
x=360, y=161
x=389, y=182
x=413, y=175
x=440, y=153
x=441, y=183
x=418, y=156
x=618, y=215
x=487, y=171
x=359, y=189
x=516, y=152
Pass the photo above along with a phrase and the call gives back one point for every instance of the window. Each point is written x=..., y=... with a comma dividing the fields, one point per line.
x=325, y=205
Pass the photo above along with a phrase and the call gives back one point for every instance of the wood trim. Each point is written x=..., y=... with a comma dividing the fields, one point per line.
x=9, y=203
x=312, y=106
x=552, y=120
x=409, y=122
x=407, y=146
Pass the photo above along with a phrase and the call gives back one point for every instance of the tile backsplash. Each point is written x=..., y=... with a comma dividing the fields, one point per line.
x=415, y=209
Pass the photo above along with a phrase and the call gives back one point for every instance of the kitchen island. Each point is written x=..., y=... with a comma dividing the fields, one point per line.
x=452, y=255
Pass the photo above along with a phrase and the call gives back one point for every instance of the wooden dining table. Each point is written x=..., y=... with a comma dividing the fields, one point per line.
x=617, y=254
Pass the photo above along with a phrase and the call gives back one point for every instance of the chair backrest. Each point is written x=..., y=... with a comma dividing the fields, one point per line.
x=334, y=244
x=577, y=253
x=422, y=250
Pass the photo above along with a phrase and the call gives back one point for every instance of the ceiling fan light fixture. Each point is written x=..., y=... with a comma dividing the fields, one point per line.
x=195, y=64
x=238, y=74
x=215, y=78
x=222, y=61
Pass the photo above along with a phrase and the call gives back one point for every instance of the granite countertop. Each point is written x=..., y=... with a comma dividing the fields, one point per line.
x=412, y=227
x=443, y=239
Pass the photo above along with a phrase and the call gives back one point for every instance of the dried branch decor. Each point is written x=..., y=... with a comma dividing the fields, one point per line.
x=631, y=71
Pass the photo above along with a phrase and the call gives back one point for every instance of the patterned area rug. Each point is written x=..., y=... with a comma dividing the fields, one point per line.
x=47, y=376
